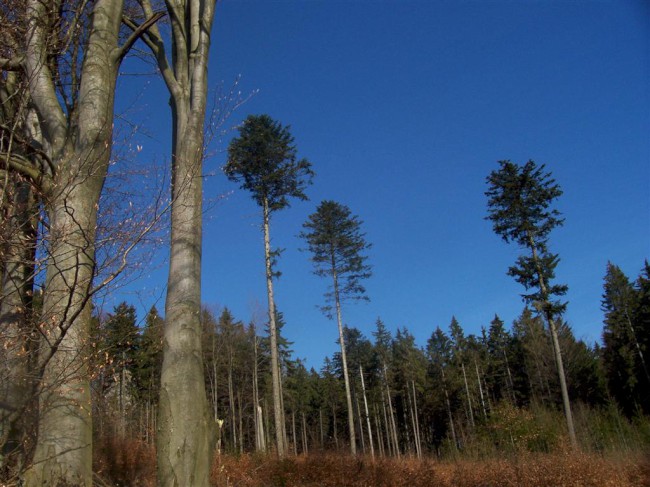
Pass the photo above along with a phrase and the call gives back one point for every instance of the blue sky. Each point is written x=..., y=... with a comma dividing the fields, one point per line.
x=403, y=108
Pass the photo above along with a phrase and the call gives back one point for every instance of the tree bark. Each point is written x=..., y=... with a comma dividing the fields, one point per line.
x=469, y=397
x=348, y=394
x=278, y=410
x=80, y=151
x=185, y=430
x=365, y=403
x=16, y=321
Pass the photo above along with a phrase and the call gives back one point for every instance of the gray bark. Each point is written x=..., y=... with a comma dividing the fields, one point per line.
x=469, y=397
x=365, y=403
x=278, y=409
x=348, y=394
x=80, y=150
x=17, y=329
x=186, y=433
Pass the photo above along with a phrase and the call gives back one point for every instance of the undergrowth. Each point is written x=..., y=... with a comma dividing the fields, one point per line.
x=529, y=470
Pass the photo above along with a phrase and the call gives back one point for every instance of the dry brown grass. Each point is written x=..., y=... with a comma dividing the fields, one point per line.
x=531, y=470
x=133, y=463
x=124, y=462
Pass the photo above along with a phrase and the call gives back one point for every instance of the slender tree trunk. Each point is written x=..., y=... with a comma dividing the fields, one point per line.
x=232, y=407
x=637, y=345
x=469, y=398
x=260, y=444
x=304, y=433
x=417, y=423
x=360, y=425
x=480, y=389
x=365, y=403
x=556, y=345
x=320, y=423
x=241, y=423
x=215, y=383
x=448, y=403
x=267, y=422
x=511, y=384
x=336, y=435
x=387, y=428
x=380, y=440
x=393, y=423
x=293, y=433
x=280, y=428
x=348, y=394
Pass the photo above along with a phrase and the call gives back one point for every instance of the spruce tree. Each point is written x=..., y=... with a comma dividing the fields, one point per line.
x=263, y=159
x=337, y=245
x=623, y=354
x=520, y=202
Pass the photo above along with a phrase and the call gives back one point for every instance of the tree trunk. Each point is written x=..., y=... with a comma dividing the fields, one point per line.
x=81, y=153
x=380, y=440
x=365, y=403
x=260, y=444
x=184, y=424
x=304, y=434
x=360, y=425
x=231, y=405
x=393, y=423
x=320, y=422
x=448, y=403
x=336, y=435
x=17, y=328
x=480, y=389
x=511, y=384
x=469, y=397
x=278, y=410
x=293, y=433
x=556, y=345
x=185, y=430
x=348, y=394
x=417, y=422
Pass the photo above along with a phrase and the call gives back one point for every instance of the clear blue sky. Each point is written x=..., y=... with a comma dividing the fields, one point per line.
x=403, y=108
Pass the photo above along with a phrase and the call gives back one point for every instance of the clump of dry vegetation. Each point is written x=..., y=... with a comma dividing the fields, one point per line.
x=124, y=462
x=530, y=470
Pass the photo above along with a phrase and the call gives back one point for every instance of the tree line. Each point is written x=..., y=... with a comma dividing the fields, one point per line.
x=457, y=393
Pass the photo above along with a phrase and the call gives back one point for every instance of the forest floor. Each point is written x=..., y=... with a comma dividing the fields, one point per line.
x=136, y=467
x=531, y=470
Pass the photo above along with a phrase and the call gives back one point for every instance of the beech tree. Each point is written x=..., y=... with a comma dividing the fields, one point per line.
x=263, y=159
x=68, y=54
x=334, y=238
x=519, y=206
x=185, y=429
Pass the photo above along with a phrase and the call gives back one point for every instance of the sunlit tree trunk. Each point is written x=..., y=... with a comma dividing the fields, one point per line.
x=346, y=377
x=276, y=377
x=80, y=151
x=365, y=403
x=185, y=429
x=469, y=397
